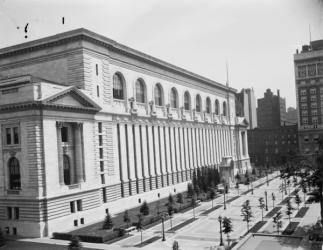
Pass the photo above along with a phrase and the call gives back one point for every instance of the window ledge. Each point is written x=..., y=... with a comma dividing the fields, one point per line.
x=13, y=191
x=74, y=186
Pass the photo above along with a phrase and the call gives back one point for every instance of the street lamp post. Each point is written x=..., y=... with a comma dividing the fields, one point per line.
x=163, y=218
x=224, y=206
x=266, y=200
x=221, y=239
x=251, y=185
x=267, y=178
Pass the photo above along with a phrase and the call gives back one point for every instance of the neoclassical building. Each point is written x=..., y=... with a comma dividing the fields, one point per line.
x=89, y=124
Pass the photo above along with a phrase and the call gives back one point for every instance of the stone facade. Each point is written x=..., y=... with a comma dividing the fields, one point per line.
x=309, y=95
x=83, y=149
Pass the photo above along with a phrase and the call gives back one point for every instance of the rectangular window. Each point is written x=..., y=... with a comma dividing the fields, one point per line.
x=305, y=121
x=100, y=127
x=100, y=140
x=314, y=112
x=304, y=112
x=15, y=135
x=82, y=221
x=104, y=195
x=97, y=69
x=303, y=92
x=302, y=71
x=320, y=68
x=101, y=153
x=313, y=105
x=9, y=213
x=97, y=90
x=79, y=205
x=313, y=98
x=314, y=120
x=311, y=69
x=14, y=231
x=11, y=135
x=313, y=91
x=8, y=136
x=72, y=207
x=75, y=223
x=102, y=179
x=101, y=166
x=16, y=209
x=64, y=134
x=303, y=99
x=303, y=106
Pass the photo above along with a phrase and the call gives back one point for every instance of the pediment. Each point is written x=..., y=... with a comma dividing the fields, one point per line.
x=72, y=97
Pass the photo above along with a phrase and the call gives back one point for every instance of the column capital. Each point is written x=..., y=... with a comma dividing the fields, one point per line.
x=59, y=124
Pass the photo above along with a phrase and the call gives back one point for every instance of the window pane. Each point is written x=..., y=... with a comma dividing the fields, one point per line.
x=14, y=174
x=64, y=133
x=198, y=103
x=16, y=213
x=15, y=135
x=186, y=101
x=67, y=170
x=117, y=87
x=158, y=95
x=140, y=92
x=8, y=136
x=173, y=98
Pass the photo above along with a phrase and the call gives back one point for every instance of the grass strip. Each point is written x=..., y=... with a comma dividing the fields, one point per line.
x=206, y=212
x=149, y=241
x=257, y=226
x=290, y=229
x=181, y=225
x=301, y=213
x=272, y=212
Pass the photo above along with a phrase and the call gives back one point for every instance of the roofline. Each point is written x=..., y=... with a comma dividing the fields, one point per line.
x=91, y=36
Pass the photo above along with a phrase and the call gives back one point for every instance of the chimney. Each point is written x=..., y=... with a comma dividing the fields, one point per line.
x=278, y=93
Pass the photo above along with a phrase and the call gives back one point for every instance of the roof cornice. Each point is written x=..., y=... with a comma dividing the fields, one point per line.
x=87, y=35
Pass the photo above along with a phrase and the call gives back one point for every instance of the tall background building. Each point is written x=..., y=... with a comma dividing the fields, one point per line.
x=291, y=116
x=271, y=111
x=246, y=106
x=308, y=65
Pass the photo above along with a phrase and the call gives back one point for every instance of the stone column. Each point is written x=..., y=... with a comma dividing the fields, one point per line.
x=79, y=163
x=59, y=125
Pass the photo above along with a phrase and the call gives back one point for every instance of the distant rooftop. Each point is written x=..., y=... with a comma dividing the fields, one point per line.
x=313, y=46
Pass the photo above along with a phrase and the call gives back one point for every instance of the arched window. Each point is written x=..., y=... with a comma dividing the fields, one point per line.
x=14, y=174
x=208, y=105
x=67, y=170
x=159, y=98
x=224, y=108
x=173, y=98
x=140, y=91
x=187, y=101
x=198, y=103
x=118, y=86
x=217, y=111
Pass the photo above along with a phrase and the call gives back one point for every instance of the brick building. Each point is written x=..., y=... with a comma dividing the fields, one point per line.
x=270, y=146
x=309, y=95
x=89, y=124
x=271, y=110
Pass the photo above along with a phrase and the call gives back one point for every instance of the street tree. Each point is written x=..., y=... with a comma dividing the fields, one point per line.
x=277, y=220
x=171, y=199
x=193, y=204
x=75, y=243
x=170, y=211
x=175, y=245
x=298, y=200
x=139, y=225
x=246, y=213
x=180, y=200
x=237, y=187
x=108, y=223
x=227, y=228
x=190, y=190
x=281, y=189
x=273, y=198
x=2, y=239
x=289, y=209
x=304, y=190
x=262, y=206
x=212, y=195
x=126, y=218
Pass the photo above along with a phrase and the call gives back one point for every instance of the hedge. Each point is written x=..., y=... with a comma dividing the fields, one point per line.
x=88, y=238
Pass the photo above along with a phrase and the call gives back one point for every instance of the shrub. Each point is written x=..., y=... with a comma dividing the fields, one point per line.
x=144, y=209
x=2, y=240
x=75, y=243
x=107, y=224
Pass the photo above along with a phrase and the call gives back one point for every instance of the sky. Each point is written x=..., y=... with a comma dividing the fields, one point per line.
x=257, y=38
